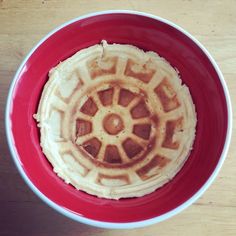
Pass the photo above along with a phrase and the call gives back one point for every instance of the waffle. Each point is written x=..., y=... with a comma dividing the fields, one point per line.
x=115, y=121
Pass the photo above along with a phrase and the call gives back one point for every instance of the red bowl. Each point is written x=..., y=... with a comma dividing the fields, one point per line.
x=198, y=71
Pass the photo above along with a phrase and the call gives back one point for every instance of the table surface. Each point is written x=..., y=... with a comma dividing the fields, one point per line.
x=24, y=23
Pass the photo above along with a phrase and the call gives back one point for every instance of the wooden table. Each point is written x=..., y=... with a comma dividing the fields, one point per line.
x=24, y=23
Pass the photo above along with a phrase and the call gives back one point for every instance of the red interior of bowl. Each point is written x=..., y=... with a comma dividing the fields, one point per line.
x=196, y=72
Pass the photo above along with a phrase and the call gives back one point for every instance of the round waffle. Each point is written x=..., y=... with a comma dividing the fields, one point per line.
x=115, y=121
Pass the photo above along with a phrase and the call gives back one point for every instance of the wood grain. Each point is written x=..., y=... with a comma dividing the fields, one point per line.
x=24, y=23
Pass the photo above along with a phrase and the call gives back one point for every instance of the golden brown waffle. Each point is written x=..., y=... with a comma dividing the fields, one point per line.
x=116, y=122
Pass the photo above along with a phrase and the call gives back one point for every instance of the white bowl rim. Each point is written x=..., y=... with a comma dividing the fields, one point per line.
x=112, y=225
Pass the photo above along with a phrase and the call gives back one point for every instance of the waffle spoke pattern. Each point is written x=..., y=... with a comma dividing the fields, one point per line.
x=115, y=121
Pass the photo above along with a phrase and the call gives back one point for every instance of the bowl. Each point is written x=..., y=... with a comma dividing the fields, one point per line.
x=198, y=71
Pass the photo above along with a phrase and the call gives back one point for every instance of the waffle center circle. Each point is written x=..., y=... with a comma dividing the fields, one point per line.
x=113, y=124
